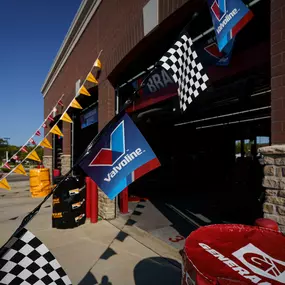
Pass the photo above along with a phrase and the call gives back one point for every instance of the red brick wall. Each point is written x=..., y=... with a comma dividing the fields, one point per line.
x=114, y=32
x=116, y=28
x=278, y=71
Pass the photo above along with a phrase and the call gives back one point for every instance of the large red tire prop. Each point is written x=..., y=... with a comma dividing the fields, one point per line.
x=233, y=255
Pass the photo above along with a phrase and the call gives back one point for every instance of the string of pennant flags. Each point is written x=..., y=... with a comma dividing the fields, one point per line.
x=92, y=77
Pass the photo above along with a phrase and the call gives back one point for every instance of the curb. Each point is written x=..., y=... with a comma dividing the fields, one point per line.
x=156, y=245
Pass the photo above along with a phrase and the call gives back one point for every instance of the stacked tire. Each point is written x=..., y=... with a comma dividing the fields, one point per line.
x=69, y=204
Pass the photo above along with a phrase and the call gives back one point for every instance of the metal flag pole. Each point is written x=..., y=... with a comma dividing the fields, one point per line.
x=32, y=214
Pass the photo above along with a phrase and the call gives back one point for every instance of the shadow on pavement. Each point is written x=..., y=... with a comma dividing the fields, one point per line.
x=90, y=279
x=150, y=271
x=157, y=270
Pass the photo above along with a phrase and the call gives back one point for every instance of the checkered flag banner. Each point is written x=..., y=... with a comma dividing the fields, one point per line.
x=26, y=260
x=182, y=62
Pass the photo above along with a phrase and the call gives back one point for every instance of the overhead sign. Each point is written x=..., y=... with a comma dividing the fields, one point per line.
x=89, y=118
x=158, y=87
x=229, y=17
x=119, y=158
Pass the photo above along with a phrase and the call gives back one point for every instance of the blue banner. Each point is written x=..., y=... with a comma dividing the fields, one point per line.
x=119, y=158
x=209, y=53
x=229, y=17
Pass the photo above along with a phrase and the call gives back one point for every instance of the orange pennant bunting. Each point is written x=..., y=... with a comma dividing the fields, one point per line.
x=45, y=143
x=20, y=170
x=75, y=104
x=98, y=63
x=4, y=184
x=34, y=156
x=90, y=77
x=84, y=91
x=65, y=117
x=55, y=130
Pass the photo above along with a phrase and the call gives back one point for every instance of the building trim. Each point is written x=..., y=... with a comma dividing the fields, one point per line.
x=82, y=18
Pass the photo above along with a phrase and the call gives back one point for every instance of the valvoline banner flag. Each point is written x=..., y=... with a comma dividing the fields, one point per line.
x=229, y=17
x=209, y=53
x=121, y=156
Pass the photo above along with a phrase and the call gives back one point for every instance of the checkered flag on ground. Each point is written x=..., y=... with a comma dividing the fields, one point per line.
x=182, y=62
x=26, y=260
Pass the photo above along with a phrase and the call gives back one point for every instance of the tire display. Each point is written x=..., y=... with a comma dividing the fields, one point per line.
x=68, y=204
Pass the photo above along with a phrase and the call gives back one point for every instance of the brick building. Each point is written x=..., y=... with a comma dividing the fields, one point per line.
x=246, y=98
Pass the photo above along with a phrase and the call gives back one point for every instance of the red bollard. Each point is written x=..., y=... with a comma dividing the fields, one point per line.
x=124, y=201
x=88, y=198
x=56, y=172
x=94, y=202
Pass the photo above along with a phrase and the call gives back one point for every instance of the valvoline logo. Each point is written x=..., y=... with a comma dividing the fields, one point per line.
x=113, y=163
x=229, y=17
x=109, y=156
x=219, y=9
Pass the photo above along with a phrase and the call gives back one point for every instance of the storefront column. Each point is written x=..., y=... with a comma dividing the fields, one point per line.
x=274, y=183
x=47, y=157
x=274, y=156
x=278, y=71
x=66, y=145
x=106, y=93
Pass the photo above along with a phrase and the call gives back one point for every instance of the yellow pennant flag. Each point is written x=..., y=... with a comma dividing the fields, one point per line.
x=75, y=104
x=55, y=130
x=98, y=63
x=90, y=77
x=34, y=156
x=4, y=184
x=45, y=143
x=84, y=91
x=65, y=117
x=20, y=170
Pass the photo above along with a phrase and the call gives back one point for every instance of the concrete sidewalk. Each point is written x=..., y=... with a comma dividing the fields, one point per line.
x=106, y=253
x=102, y=254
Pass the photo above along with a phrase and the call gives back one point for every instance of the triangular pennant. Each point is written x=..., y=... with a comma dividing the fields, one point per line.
x=50, y=118
x=65, y=117
x=60, y=103
x=98, y=63
x=20, y=169
x=45, y=143
x=15, y=157
x=6, y=165
x=75, y=104
x=55, y=130
x=91, y=78
x=44, y=125
x=34, y=156
x=32, y=142
x=4, y=184
x=38, y=133
x=24, y=149
x=84, y=91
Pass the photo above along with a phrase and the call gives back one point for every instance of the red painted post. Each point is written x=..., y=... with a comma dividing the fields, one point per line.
x=124, y=201
x=88, y=198
x=94, y=202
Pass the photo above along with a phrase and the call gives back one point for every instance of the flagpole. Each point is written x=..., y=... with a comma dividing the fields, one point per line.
x=32, y=214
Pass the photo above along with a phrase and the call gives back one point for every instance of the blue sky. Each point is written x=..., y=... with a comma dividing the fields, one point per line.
x=31, y=33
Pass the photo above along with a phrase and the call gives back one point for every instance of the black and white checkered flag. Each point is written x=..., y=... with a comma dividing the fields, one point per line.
x=182, y=62
x=26, y=260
